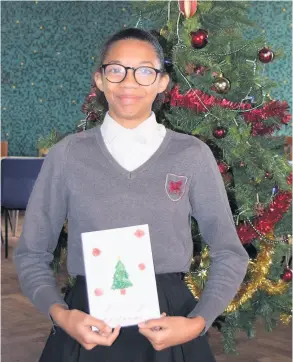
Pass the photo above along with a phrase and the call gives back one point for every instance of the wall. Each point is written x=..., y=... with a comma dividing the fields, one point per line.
x=48, y=55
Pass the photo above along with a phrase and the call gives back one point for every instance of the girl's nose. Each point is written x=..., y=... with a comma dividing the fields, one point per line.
x=129, y=79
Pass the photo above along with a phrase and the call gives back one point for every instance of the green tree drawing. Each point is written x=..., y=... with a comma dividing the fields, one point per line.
x=120, y=279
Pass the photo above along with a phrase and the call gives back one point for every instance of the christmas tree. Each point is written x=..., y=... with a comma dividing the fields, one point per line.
x=120, y=280
x=220, y=94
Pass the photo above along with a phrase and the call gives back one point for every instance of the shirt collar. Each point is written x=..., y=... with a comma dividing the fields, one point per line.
x=144, y=132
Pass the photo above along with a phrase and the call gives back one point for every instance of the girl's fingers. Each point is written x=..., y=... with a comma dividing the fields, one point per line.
x=160, y=322
x=93, y=339
x=110, y=339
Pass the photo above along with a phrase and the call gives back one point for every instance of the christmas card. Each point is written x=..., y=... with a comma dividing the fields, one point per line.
x=120, y=275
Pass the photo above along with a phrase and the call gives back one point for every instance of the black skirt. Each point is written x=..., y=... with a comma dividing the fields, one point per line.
x=175, y=299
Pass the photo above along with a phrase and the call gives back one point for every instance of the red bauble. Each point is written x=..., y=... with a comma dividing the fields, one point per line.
x=242, y=164
x=199, y=38
x=122, y=291
x=289, y=179
x=265, y=55
x=187, y=7
x=287, y=275
x=220, y=132
x=268, y=175
x=223, y=167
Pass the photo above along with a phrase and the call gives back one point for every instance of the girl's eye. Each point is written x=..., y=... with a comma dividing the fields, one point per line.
x=115, y=70
x=145, y=71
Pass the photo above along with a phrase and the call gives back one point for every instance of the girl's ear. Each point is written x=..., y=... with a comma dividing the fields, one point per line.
x=163, y=82
x=99, y=81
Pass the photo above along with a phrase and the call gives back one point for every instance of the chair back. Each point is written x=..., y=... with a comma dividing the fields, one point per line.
x=18, y=176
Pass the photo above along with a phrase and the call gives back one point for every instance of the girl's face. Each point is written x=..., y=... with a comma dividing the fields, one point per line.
x=129, y=100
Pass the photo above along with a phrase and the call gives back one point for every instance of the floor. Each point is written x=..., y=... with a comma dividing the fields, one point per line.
x=24, y=330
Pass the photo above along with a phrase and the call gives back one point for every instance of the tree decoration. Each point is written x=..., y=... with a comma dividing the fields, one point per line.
x=259, y=209
x=242, y=164
x=187, y=7
x=285, y=318
x=201, y=102
x=221, y=84
x=220, y=132
x=164, y=31
x=268, y=175
x=247, y=232
x=168, y=64
x=287, y=275
x=199, y=38
x=258, y=270
x=223, y=167
x=265, y=55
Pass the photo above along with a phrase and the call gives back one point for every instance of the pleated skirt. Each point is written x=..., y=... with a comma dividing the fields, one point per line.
x=175, y=299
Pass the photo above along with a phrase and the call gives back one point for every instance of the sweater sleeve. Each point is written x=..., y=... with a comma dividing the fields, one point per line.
x=44, y=218
x=229, y=260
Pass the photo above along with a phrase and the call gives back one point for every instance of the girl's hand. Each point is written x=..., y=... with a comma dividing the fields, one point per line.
x=78, y=325
x=171, y=331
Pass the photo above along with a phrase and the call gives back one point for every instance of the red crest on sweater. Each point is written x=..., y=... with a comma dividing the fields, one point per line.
x=175, y=186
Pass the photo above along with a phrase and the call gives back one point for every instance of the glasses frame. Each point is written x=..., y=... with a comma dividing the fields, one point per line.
x=158, y=71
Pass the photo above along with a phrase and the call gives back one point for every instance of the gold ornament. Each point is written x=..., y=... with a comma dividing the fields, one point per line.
x=258, y=271
x=164, y=31
x=285, y=318
x=222, y=84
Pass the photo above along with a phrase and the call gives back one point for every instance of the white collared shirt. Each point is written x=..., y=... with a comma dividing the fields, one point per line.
x=132, y=147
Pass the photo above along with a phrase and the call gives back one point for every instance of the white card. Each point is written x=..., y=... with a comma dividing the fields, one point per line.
x=120, y=275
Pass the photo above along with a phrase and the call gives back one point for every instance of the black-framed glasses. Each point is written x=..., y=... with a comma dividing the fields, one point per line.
x=116, y=73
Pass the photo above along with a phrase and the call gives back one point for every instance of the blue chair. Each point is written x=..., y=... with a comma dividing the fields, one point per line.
x=18, y=176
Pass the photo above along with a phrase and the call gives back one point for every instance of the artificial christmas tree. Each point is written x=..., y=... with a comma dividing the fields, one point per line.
x=219, y=93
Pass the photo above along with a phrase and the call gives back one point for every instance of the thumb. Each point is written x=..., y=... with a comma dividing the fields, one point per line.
x=102, y=326
x=161, y=322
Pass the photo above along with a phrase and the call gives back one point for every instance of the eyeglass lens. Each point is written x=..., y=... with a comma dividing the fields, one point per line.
x=115, y=73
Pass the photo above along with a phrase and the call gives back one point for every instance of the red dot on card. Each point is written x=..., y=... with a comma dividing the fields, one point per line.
x=96, y=252
x=123, y=291
x=99, y=292
x=139, y=233
x=141, y=266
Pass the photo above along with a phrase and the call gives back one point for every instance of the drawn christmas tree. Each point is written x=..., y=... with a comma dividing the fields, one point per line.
x=120, y=279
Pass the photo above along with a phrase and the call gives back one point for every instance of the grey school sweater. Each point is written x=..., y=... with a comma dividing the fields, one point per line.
x=81, y=181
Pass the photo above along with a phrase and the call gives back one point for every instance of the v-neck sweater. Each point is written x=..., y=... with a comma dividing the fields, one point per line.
x=131, y=147
x=81, y=181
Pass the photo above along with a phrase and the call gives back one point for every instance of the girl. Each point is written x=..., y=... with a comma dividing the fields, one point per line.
x=131, y=171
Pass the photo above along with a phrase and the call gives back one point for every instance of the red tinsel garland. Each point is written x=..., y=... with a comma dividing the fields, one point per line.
x=266, y=223
x=200, y=101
